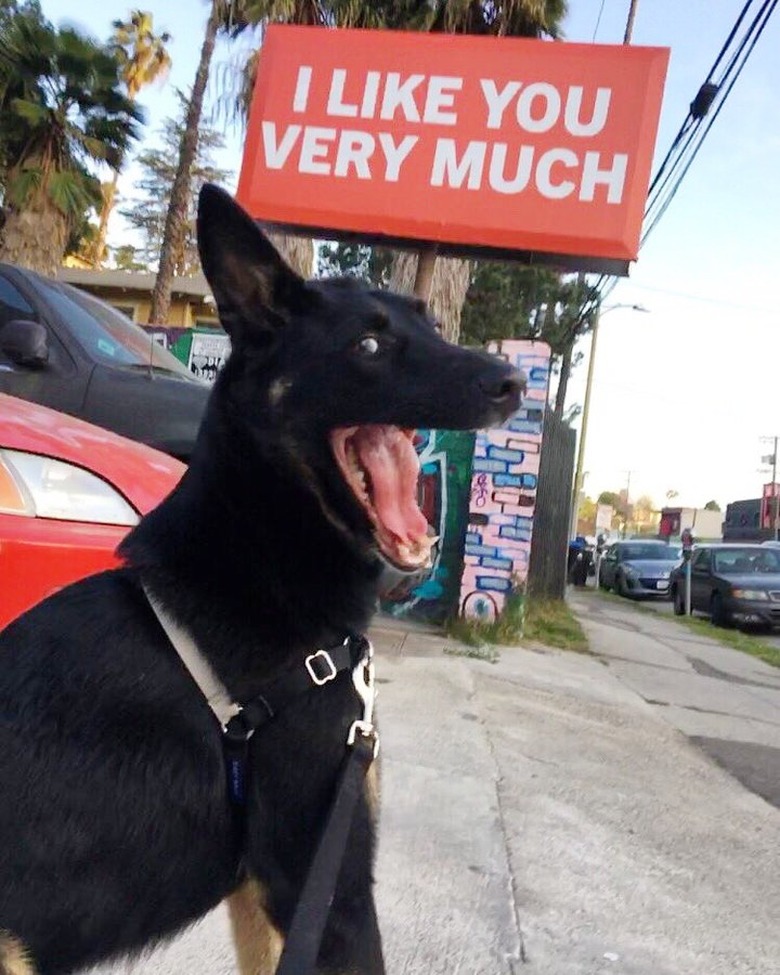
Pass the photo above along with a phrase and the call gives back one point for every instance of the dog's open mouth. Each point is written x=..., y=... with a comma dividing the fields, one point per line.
x=380, y=465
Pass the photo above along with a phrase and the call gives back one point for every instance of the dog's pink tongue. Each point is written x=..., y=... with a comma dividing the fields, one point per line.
x=391, y=461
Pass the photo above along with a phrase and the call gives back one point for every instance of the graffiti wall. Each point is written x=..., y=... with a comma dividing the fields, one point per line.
x=503, y=492
x=445, y=483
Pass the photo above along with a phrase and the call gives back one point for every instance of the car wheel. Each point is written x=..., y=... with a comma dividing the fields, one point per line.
x=620, y=585
x=718, y=614
x=679, y=602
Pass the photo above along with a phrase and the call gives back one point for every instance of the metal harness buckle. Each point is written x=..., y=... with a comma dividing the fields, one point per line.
x=319, y=679
x=365, y=685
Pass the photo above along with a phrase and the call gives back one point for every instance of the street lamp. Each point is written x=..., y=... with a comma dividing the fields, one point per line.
x=578, y=474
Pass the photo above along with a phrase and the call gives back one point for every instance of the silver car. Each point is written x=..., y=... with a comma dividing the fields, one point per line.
x=639, y=568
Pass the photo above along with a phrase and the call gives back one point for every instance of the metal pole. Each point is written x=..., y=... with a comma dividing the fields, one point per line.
x=578, y=475
x=630, y=21
x=628, y=495
x=688, y=584
x=775, y=499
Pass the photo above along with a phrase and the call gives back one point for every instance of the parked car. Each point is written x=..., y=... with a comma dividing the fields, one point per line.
x=69, y=492
x=66, y=349
x=732, y=584
x=637, y=568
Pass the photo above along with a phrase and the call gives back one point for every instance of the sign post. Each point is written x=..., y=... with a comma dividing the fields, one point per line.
x=688, y=542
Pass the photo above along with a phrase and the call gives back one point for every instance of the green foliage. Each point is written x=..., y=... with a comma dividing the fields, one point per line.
x=148, y=209
x=514, y=18
x=371, y=264
x=61, y=111
x=126, y=258
x=712, y=506
x=508, y=300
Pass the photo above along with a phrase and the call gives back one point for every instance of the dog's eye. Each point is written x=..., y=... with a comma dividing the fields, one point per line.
x=368, y=345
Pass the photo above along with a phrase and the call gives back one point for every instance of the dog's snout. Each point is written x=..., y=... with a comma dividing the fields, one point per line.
x=504, y=390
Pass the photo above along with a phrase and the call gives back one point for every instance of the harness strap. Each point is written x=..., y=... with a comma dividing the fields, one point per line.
x=302, y=945
x=200, y=669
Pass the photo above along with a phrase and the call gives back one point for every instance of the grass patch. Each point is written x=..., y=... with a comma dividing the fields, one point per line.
x=550, y=621
x=547, y=621
x=750, y=643
x=744, y=642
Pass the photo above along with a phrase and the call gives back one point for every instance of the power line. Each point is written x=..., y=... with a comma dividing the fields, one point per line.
x=598, y=19
x=692, y=133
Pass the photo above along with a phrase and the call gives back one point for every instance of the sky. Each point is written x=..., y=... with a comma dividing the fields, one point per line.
x=682, y=393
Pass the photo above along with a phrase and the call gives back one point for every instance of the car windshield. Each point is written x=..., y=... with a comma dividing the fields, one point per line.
x=108, y=335
x=649, y=553
x=747, y=561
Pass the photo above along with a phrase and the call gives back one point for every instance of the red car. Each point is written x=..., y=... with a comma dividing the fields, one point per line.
x=69, y=492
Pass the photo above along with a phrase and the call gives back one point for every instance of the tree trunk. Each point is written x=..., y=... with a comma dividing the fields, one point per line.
x=109, y=198
x=297, y=251
x=176, y=218
x=35, y=237
x=563, y=379
x=451, y=279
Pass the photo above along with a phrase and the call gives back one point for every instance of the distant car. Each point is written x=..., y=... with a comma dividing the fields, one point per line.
x=68, y=350
x=69, y=493
x=635, y=568
x=732, y=584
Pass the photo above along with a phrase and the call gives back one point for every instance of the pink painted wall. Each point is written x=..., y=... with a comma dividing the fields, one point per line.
x=503, y=491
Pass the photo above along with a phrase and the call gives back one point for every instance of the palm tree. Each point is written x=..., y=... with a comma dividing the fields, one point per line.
x=176, y=218
x=143, y=59
x=514, y=18
x=61, y=110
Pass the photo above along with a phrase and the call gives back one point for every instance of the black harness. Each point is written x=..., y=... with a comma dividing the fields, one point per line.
x=355, y=654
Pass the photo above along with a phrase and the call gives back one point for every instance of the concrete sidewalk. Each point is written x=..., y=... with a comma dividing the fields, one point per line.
x=540, y=816
x=726, y=701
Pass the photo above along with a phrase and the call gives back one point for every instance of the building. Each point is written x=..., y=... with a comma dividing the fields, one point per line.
x=131, y=292
x=704, y=525
x=743, y=521
x=753, y=519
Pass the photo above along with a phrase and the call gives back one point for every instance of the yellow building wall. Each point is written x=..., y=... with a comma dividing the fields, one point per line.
x=183, y=313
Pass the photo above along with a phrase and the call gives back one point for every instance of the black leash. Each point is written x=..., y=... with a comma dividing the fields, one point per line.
x=304, y=937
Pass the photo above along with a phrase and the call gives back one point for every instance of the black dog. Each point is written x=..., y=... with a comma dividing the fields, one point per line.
x=116, y=828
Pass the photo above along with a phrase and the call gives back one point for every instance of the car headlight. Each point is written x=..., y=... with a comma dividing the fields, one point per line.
x=630, y=571
x=42, y=487
x=752, y=594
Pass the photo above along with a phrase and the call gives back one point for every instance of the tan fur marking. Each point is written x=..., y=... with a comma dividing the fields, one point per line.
x=372, y=789
x=258, y=943
x=14, y=960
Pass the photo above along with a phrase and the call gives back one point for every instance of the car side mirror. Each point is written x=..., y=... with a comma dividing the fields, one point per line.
x=25, y=342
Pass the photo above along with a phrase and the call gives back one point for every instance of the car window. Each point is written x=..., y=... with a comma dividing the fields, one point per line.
x=747, y=561
x=13, y=304
x=701, y=560
x=108, y=335
x=647, y=552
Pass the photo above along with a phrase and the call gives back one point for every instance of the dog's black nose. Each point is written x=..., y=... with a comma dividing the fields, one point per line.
x=505, y=390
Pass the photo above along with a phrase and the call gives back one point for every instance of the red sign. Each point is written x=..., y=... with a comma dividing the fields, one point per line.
x=474, y=143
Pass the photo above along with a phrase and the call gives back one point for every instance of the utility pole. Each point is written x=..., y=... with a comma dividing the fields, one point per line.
x=630, y=21
x=581, y=282
x=775, y=498
x=628, y=496
x=775, y=507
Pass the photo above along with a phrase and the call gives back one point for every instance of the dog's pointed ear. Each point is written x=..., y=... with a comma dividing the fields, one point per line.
x=254, y=289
